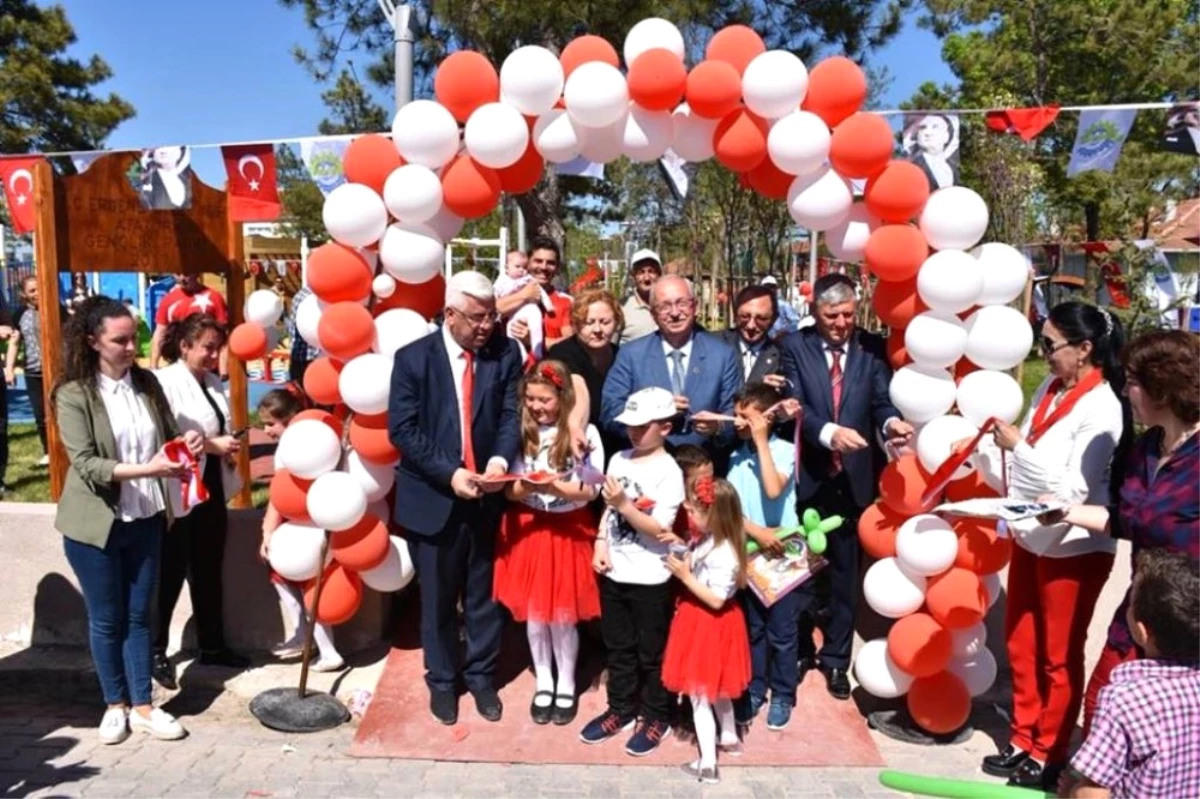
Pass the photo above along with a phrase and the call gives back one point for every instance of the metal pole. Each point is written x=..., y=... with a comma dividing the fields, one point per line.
x=399, y=17
x=812, y=257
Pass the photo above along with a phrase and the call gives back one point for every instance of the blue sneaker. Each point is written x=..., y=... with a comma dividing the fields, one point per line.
x=746, y=710
x=779, y=713
x=647, y=737
x=605, y=726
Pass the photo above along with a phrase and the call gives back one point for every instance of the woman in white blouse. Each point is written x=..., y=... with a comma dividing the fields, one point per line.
x=1063, y=448
x=195, y=547
x=114, y=421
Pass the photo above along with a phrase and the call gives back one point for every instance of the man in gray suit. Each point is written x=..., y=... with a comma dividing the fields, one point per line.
x=755, y=310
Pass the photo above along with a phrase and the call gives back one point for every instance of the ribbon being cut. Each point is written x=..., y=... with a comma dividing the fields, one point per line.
x=191, y=483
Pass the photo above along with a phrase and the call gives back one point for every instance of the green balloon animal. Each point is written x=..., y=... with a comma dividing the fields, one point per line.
x=813, y=530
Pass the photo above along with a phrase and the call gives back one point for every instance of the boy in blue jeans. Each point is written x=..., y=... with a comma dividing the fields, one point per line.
x=761, y=470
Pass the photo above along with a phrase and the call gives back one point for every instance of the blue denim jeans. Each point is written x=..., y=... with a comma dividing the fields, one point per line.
x=118, y=587
x=774, y=645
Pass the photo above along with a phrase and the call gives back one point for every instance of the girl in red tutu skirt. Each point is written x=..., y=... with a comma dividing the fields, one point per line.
x=708, y=650
x=544, y=553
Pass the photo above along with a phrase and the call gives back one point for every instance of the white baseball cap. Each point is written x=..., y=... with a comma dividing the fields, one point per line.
x=648, y=405
x=769, y=280
x=645, y=255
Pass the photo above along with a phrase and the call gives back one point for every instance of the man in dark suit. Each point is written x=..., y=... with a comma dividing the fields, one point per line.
x=840, y=375
x=755, y=310
x=461, y=378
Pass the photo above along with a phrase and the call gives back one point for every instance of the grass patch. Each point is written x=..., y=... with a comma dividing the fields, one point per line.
x=27, y=482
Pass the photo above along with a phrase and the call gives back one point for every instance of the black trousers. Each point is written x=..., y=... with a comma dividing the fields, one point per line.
x=634, y=621
x=194, y=548
x=37, y=400
x=458, y=561
x=843, y=553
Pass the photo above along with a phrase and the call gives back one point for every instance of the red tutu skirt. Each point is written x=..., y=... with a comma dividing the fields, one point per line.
x=708, y=651
x=544, y=565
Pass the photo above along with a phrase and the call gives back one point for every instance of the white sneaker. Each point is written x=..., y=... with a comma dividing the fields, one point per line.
x=44, y=460
x=329, y=664
x=114, y=727
x=161, y=725
x=291, y=648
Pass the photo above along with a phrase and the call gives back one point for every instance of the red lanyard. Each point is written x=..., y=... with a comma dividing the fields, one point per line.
x=1042, y=422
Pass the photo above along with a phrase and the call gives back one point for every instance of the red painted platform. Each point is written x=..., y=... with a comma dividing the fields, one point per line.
x=823, y=732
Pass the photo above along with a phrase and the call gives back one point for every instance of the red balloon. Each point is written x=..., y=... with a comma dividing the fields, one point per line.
x=898, y=193
x=897, y=353
x=714, y=89
x=363, y=546
x=337, y=273
x=369, y=438
x=964, y=367
x=346, y=329
x=895, y=252
x=837, y=88
x=470, y=189
x=289, y=495
x=740, y=140
x=980, y=547
x=341, y=595
x=525, y=174
x=587, y=48
x=657, y=79
x=956, y=598
x=901, y=485
x=897, y=303
x=919, y=645
x=770, y=181
x=321, y=380
x=248, y=341
x=328, y=418
x=464, y=81
x=369, y=160
x=736, y=45
x=861, y=146
x=426, y=298
x=970, y=487
x=939, y=704
x=877, y=528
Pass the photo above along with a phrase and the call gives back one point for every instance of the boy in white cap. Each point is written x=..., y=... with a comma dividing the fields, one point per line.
x=643, y=490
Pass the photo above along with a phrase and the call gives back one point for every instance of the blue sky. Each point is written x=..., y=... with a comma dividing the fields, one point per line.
x=222, y=71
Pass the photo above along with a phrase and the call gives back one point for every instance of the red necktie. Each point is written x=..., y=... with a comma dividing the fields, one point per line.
x=835, y=381
x=468, y=391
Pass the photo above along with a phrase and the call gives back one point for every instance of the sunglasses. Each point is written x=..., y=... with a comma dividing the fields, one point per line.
x=1049, y=346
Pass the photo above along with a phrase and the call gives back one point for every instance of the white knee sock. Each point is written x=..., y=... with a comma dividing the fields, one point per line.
x=290, y=599
x=706, y=731
x=566, y=654
x=726, y=721
x=541, y=651
x=323, y=636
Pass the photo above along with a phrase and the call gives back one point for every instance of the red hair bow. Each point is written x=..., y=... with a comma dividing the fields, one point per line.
x=705, y=491
x=547, y=371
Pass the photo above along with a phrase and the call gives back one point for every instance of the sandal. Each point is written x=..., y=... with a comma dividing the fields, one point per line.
x=564, y=715
x=541, y=714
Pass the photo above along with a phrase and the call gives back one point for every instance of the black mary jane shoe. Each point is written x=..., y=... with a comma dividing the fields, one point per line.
x=1027, y=775
x=563, y=716
x=1004, y=763
x=541, y=714
x=163, y=671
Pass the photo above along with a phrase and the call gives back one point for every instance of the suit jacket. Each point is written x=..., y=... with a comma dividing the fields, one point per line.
x=424, y=425
x=865, y=406
x=714, y=375
x=767, y=363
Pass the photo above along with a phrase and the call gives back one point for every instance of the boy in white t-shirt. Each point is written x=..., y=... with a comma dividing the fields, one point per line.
x=643, y=490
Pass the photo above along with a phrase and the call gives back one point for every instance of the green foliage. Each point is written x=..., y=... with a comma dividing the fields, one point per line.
x=301, y=199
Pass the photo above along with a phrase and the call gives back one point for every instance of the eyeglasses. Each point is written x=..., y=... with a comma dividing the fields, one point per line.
x=1049, y=346
x=678, y=305
x=746, y=317
x=478, y=319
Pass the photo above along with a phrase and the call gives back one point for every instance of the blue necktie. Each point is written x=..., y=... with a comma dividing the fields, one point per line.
x=677, y=372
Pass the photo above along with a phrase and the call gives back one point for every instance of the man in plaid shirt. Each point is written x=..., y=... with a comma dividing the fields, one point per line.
x=1145, y=738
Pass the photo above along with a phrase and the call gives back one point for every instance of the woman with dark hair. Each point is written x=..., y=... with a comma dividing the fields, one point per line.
x=1063, y=448
x=1158, y=505
x=195, y=548
x=114, y=422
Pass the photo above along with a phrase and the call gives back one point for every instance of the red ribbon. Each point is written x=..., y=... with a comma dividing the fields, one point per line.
x=1042, y=423
x=191, y=484
x=945, y=472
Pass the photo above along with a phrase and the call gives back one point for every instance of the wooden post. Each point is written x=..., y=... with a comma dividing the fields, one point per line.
x=235, y=299
x=45, y=243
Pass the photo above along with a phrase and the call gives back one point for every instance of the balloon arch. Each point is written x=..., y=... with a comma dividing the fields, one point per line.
x=791, y=134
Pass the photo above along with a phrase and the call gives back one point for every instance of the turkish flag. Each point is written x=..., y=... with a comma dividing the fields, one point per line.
x=253, y=192
x=1025, y=122
x=17, y=174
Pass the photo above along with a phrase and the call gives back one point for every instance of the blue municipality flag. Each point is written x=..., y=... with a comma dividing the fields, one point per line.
x=323, y=158
x=1101, y=136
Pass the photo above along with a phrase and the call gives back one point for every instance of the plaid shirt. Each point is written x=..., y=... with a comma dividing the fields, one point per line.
x=297, y=340
x=1157, y=511
x=1144, y=740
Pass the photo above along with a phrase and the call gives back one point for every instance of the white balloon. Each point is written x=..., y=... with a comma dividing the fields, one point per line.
x=336, y=501
x=950, y=281
x=496, y=135
x=799, y=143
x=395, y=572
x=531, y=80
x=354, y=215
x=848, y=239
x=264, y=307
x=936, y=441
x=411, y=252
x=921, y=393
x=556, y=137
x=605, y=144
x=445, y=224
x=965, y=642
x=774, y=84
x=596, y=94
x=383, y=286
x=992, y=583
x=309, y=448
x=365, y=382
x=308, y=316
x=936, y=340
x=650, y=34
x=954, y=218
x=877, y=673
x=977, y=672
x=1005, y=272
x=998, y=337
x=647, y=134
x=926, y=545
x=295, y=551
x=375, y=479
x=398, y=328
x=692, y=139
x=891, y=590
x=984, y=394
x=413, y=193
x=820, y=200
x=425, y=133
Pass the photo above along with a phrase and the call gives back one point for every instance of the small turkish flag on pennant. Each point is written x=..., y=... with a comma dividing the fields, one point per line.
x=17, y=174
x=253, y=192
x=1025, y=122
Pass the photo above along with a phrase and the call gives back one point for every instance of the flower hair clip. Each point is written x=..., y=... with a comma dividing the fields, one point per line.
x=547, y=372
x=705, y=491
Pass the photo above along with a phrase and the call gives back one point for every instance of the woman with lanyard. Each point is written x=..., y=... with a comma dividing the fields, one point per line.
x=1158, y=506
x=114, y=422
x=195, y=546
x=1063, y=448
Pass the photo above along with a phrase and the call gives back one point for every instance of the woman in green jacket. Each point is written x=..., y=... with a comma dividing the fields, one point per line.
x=114, y=421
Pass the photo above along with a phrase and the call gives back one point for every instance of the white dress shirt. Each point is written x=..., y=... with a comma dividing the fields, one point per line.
x=137, y=440
x=458, y=368
x=715, y=567
x=750, y=354
x=686, y=349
